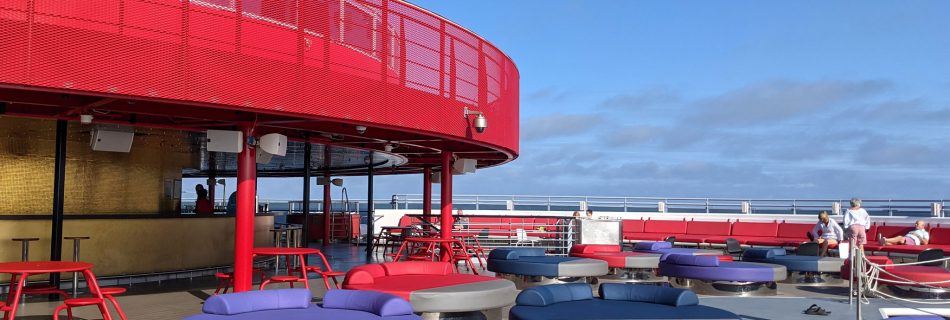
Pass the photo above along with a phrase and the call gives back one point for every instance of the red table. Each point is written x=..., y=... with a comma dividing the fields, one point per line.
x=301, y=254
x=19, y=271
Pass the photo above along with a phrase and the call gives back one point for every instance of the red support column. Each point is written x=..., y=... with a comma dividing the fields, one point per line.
x=427, y=197
x=326, y=209
x=447, y=219
x=244, y=219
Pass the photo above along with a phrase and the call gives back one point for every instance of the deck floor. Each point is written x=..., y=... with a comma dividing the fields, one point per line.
x=176, y=299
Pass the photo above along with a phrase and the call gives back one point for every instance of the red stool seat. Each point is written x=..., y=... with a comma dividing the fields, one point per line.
x=79, y=302
x=223, y=275
x=284, y=278
x=112, y=290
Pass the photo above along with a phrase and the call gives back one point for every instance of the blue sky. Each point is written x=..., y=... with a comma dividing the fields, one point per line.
x=748, y=99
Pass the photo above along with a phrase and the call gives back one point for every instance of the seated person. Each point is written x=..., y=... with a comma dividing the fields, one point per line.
x=461, y=222
x=826, y=232
x=917, y=237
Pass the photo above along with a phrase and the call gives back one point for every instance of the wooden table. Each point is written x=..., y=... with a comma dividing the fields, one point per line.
x=19, y=271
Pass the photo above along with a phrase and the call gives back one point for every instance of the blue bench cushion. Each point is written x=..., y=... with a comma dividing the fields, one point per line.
x=549, y=266
x=244, y=302
x=546, y=295
x=377, y=303
x=649, y=294
x=652, y=246
x=615, y=310
x=762, y=253
x=514, y=253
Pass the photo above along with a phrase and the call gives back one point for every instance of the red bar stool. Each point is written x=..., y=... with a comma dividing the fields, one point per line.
x=225, y=281
x=109, y=293
x=69, y=304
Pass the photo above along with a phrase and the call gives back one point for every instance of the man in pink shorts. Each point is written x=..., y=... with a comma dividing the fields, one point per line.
x=857, y=222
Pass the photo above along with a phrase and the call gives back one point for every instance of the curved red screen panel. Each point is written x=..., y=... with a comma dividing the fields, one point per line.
x=382, y=63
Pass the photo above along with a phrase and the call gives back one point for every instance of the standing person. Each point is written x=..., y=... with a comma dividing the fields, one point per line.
x=203, y=206
x=857, y=222
x=826, y=232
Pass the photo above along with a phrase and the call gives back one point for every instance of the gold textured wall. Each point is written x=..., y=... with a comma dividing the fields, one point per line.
x=96, y=182
x=134, y=246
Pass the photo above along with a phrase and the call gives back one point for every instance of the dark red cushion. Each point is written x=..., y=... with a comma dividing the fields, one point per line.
x=933, y=275
x=754, y=229
x=669, y=227
x=594, y=248
x=940, y=235
x=417, y=267
x=794, y=230
x=692, y=238
x=404, y=285
x=643, y=236
x=718, y=228
x=632, y=226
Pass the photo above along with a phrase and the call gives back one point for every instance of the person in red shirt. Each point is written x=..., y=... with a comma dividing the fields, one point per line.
x=203, y=205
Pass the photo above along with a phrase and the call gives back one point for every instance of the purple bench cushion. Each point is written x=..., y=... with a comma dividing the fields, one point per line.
x=251, y=301
x=652, y=246
x=378, y=303
x=649, y=294
x=546, y=295
x=726, y=271
x=515, y=253
x=689, y=260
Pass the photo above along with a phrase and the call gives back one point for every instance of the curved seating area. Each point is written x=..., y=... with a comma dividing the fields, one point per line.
x=294, y=304
x=771, y=234
x=938, y=279
x=528, y=266
x=617, y=301
x=625, y=266
x=432, y=287
x=801, y=269
x=663, y=248
x=707, y=275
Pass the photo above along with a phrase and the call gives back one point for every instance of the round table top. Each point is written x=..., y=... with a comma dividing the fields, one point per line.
x=276, y=251
x=43, y=266
x=436, y=240
x=25, y=239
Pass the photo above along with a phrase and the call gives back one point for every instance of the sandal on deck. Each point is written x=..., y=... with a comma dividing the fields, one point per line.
x=815, y=310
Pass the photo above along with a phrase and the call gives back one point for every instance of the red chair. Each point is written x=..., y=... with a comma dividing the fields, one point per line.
x=110, y=293
x=283, y=279
x=69, y=304
x=326, y=274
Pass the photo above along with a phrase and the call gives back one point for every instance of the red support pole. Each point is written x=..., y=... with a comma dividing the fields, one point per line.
x=447, y=219
x=427, y=197
x=244, y=220
x=326, y=209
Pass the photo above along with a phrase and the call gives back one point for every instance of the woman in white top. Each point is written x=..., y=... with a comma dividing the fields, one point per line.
x=857, y=222
x=918, y=237
x=826, y=232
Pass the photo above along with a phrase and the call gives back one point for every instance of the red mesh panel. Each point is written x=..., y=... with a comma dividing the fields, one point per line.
x=379, y=62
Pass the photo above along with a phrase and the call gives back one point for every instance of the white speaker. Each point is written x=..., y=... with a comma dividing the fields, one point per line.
x=463, y=166
x=225, y=141
x=263, y=157
x=436, y=177
x=273, y=143
x=111, y=140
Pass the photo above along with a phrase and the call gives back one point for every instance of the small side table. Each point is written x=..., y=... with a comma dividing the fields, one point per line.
x=76, y=241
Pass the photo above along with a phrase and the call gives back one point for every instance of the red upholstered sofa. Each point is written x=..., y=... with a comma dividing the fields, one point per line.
x=745, y=231
x=939, y=239
x=657, y=230
x=698, y=231
x=789, y=235
x=501, y=226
